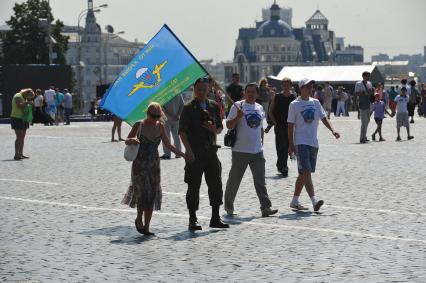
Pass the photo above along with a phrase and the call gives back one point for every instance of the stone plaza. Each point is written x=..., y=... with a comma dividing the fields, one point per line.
x=62, y=221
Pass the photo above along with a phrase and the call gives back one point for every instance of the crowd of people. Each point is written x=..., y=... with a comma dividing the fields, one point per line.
x=196, y=124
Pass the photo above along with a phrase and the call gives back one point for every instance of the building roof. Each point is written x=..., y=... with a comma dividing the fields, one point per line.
x=317, y=17
x=341, y=74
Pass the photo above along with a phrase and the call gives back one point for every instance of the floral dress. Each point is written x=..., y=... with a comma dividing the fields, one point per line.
x=145, y=190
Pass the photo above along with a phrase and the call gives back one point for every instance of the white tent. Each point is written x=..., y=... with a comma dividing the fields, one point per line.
x=333, y=74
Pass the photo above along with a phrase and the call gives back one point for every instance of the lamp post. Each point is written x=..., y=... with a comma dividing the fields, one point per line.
x=79, y=64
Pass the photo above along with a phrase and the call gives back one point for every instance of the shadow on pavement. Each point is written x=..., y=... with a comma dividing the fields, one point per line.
x=235, y=220
x=299, y=215
x=127, y=235
x=186, y=235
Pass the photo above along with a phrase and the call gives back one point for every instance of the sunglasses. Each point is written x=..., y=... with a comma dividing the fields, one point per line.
x=155, y=116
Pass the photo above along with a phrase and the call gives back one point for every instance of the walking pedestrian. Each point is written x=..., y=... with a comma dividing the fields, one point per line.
x=303, y=118
x=423, y=96
x=59, y=117
x=50, y=100
x=216, y=95
x=278, y=113
x=402, y=113
x=234, y=90
x=341, y=99
x=173, y=110
x=328, y=98
x=199, y=125
x=247, y=118
x=21, y=102
x=145, y=189
x=364, y=90
x=379, y=110
x=392, y=94
x=67, y=106
x=117, y=122
x=413, y=100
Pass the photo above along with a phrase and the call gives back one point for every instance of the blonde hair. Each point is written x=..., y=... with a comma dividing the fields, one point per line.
x=27, y=91
x=263, y=80
x=157, y=106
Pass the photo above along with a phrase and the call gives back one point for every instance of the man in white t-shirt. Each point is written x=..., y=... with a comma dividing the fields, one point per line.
x=304, y=114
x=402, y=113
x=247, y=116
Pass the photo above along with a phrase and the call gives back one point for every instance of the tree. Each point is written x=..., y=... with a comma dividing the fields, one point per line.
x=32, y=30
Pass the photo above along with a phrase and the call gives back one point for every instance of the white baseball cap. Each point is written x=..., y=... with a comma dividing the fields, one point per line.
x=304, y=82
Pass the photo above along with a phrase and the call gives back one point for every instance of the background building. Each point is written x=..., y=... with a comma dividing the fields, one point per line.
x=274, y=43
x=96, y=57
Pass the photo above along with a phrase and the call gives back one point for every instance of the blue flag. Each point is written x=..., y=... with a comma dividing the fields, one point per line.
x=162, y=69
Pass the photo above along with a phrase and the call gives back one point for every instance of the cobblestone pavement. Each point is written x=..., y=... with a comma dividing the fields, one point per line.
x=61, y=217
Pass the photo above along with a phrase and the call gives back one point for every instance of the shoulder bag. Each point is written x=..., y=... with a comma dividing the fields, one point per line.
x=131, y=151
x=231, y=135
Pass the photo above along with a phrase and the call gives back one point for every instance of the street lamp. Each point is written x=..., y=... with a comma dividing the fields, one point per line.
x=96, y=9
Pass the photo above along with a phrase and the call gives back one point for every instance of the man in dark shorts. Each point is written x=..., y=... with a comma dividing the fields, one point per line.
x=20, y=101
x=199, y=125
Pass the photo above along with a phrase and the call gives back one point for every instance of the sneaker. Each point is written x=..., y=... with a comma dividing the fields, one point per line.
x=398, y=138
x=231, y=212
x=382, y=139
x=410, y=137
x=165, y=156
x=298, y=206
x=318, y=205
x=268, y=211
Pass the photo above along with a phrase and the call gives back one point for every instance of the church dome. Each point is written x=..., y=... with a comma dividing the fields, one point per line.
x=275, y=28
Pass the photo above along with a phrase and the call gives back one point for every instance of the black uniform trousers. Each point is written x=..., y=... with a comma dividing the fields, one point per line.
x=207, y=162
x=281, y=145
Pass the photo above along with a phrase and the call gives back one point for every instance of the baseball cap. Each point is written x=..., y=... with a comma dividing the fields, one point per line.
x=304, y=82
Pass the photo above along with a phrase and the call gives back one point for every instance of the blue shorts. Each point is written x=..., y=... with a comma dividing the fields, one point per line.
x=306, y=158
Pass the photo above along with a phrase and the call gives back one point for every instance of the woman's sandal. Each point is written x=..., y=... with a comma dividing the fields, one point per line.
x=140, y=230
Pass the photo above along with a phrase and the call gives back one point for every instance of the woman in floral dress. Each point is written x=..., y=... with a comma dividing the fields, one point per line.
x=145, y=190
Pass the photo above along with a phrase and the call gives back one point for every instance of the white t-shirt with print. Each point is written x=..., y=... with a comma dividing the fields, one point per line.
x=401, y=103
x=305, y=115
x=249, y=127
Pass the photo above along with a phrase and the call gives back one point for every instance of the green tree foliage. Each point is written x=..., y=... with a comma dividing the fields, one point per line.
x=28, y=42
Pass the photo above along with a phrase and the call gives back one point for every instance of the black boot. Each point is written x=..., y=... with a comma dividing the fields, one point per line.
x=193, y=223
x=215, y=221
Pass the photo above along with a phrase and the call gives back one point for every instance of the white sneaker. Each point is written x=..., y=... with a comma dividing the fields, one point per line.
x=297, y=206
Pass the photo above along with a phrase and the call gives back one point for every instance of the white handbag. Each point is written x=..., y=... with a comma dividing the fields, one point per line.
x=131, y=151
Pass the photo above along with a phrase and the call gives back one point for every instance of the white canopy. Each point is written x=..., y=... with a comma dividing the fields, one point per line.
x=337, y=74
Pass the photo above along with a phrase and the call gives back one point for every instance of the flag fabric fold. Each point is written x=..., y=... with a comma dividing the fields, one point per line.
x=162, y=69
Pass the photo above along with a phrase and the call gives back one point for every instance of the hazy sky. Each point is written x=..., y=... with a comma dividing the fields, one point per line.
x=209, y=28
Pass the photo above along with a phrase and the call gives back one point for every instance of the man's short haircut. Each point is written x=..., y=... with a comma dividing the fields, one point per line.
x=201, y=80
x=366, y=73
x=252, y=84
x=403, y=88
x=412, y=82
x=235, y=74
x=404, y=81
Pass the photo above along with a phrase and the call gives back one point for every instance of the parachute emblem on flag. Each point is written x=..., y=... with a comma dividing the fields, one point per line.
x=148, y=78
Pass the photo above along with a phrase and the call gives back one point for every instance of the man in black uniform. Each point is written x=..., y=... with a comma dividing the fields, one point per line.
x=199, y=124
x=234, y=90
x=278, y=112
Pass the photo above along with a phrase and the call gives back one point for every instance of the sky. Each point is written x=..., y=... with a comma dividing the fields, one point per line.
x=209, y=28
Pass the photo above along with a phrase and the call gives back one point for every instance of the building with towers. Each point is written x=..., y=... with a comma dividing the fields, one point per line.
x=274, y=43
